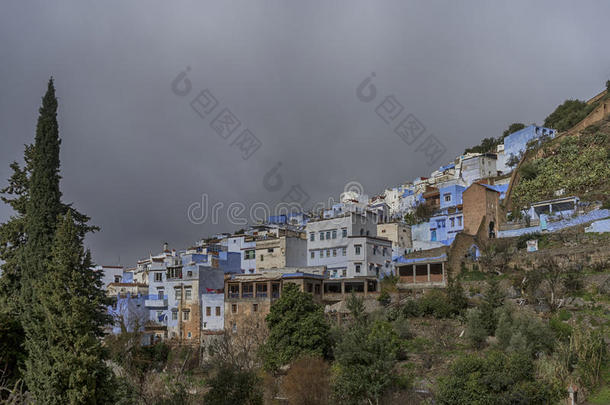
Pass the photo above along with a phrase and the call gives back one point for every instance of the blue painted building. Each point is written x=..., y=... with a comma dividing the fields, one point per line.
x=451, y=196
x=516, y=143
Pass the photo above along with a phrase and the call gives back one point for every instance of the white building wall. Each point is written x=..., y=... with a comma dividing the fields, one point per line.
x=213, y=321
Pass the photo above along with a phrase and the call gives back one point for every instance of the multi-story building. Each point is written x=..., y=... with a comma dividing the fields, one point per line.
x=476, y=166
x=248, y=297
x=282, y=251
x=516, y=143
x=245, y=245
x=348, y=246
x=481, y=209
x=399, y=234
x=110, y=274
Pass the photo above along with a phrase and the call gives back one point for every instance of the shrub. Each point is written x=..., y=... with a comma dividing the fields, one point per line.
x=384, y=298
x=476, y=334
x=231, y=386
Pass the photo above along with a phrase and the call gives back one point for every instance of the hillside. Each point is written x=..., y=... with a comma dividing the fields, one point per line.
x=574, y=163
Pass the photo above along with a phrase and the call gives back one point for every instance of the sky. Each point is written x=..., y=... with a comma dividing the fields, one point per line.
x=145, y=87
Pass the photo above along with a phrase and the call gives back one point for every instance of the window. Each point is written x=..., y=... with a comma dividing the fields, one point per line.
x=317, y=288
x=334, y=234
x=321, y=254
x=177, y=294
x=158, y=277
x=344, y=233
x=174, y=315
x=312, y=254
x=385, y=251
x=188, y=335
x=250, y=254
x=188, y=293
x=117, y=279
x=262, y=258
x=321, y=235
x=205, y=325
x=309, y=287
x=233, y=308
x=374, y=249
x=334, y=252
x=344, y=252
x=327, y=252
x=357, y=249
x=312, y=236
x=189, y=273
x=358, y=266
x=208, y=311
x=270, y=250
x=361, y=231
x=447, y=197
x=254, y=307
x=234, y=327
x=186, y=315
x=459, y=221
x=217, y=311
x=344, y=272
x=452, y=222
x=160, y=293
x=327, y=235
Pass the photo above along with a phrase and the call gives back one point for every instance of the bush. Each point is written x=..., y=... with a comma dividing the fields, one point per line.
x=435, y=303
x=384, y=298
x=496, y=378
x=475, y=334
x=568, y=114
x=231, y=386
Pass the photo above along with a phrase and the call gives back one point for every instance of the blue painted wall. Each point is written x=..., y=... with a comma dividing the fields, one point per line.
x=515, y=143
x=456, y=196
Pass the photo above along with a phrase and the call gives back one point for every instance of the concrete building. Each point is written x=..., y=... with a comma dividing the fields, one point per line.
x=476, y=166
x=347, y=246
x=280, y=252
x=481, y=208
x=212, y=311
x=423, y=269
x=245, y=245
x=248, y=297
x=516, y=143
x=398, y=233
x=110, y=274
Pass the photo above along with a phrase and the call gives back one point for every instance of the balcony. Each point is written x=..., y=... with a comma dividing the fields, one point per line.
x=155, y=301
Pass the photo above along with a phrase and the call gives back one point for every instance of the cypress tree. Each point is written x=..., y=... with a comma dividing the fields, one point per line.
x=34, y=220
x=65, y=355
x=43, y=205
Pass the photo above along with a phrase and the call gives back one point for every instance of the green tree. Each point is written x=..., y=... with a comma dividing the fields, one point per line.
x=297, y=326
x=475, y=334
x=456, y=296
x=65, y=355
x=366, y=356
x=512, y=128
x=568, y=114
x=232, y=386
x=496, y=378
x=44, y=203
x=492, y=300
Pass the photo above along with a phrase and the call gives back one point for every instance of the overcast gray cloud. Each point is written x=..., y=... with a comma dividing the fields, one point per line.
x=135, y=155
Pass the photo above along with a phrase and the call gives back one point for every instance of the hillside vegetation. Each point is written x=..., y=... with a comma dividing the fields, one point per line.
x=577, y=164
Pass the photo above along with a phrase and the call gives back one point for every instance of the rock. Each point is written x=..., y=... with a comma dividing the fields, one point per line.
x=513, y=293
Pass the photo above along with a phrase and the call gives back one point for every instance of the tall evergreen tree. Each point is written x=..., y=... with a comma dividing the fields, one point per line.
x=40, y=159
x=65, y=356
x=44, y=203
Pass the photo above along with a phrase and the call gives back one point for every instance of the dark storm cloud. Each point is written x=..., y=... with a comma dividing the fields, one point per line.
x=135, y=155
